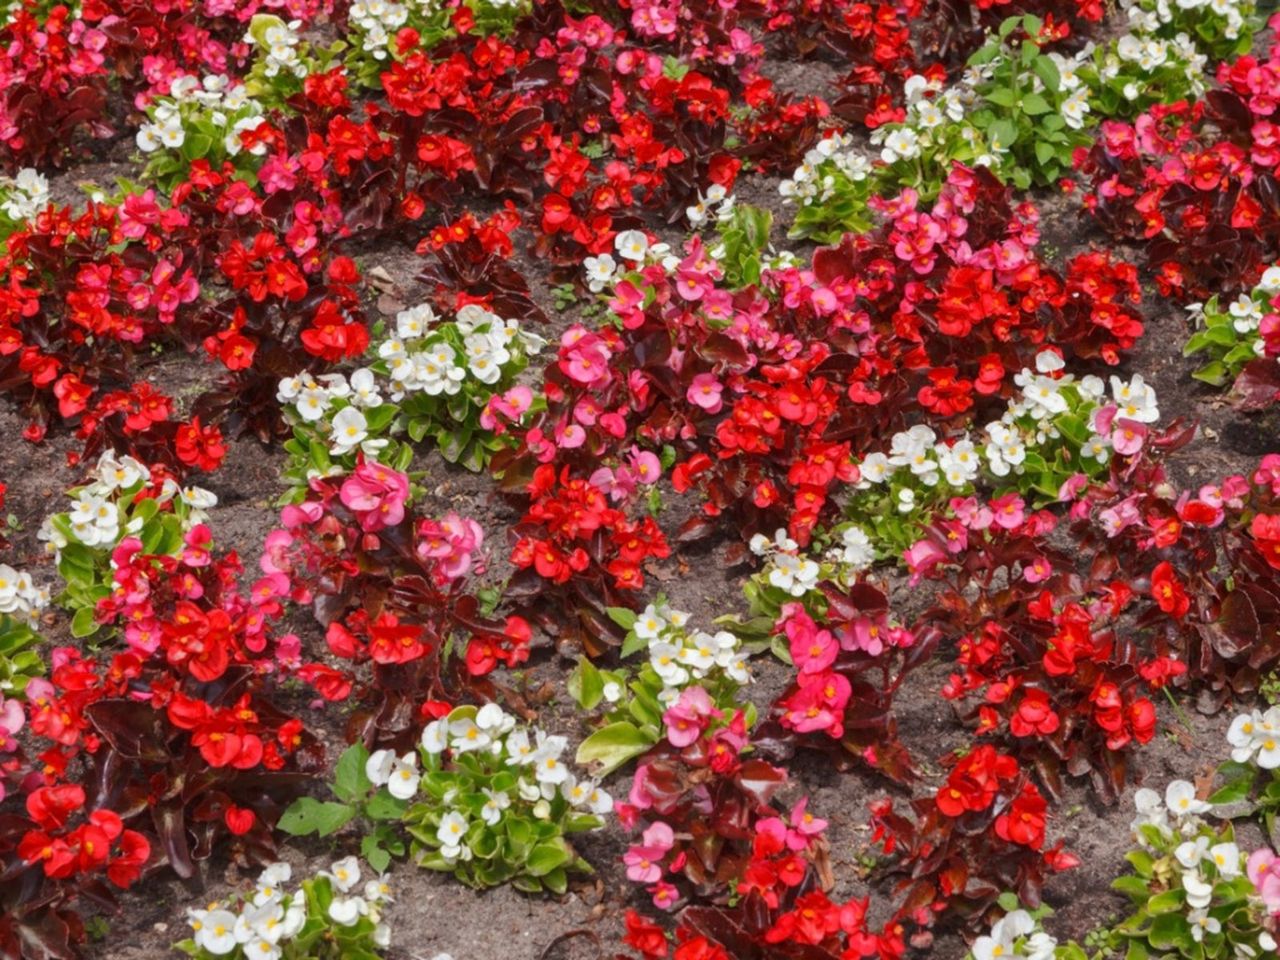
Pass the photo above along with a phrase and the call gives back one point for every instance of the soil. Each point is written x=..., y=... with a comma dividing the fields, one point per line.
x=434, y=914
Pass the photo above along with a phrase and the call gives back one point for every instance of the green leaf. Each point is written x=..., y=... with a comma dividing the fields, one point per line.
x=1033, y=105
x=83, y=623
x=350, y=782
x=546, y=857
x=586, y=686
x=610, y=747
x=1233, y=792
x=623, y=617
x=378, y=857
x=1044, y=152
x=1169, y=930
x=1047, y=71
x=308, y=815
x=1002, y=97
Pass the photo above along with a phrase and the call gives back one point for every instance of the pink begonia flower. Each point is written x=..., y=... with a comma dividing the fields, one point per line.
x=705, y=391
x=615, y=424
x=865, y=634
x=804, y=822
x=510, y=405
x=1103, y=416
x=646, y=466
x=12, y=719
x=619, y=484
x=689, y=716
x=812, y=650
x=1127, y=436
x=1123, y=514
x=1072, y=487
x=974, y=515
x=665, y=896
x=956, y=536
x=289, y=651
x=921, y=557
x=639, y=795
x=1037, y=571
x=1009, y=511
x=644, y=859
x=451, y=541
x=376, y=494
x=818, y=704
x=300, y=514
x=570, y=436
x=587, y=411
x=1263, y=871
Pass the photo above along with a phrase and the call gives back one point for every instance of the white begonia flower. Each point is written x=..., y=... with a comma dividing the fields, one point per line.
x=378, y=890
x=901, y=144
x=451, y=834
x=1075, y=108
x=520, y=751
x=1199, y=891
x=548, y=767
x=600, y=271
x=650, y=624
x=1180, y=798
x=1270, y=282
x=599, y=801
x=350, y=429
x=216, y=932
x=346, y=911
x=612, y=691
x=1226, y=859
x=344, y=874
x=260, y=948
x=796, y=575
x=664, y=657
x=1201, y=923
x=467, y=736
x=435, y=737
x=1190, y=852
x=495, y=803
x=379, y=766
x=364, y=389
x=403, y=781
x=494, y=720
x=631, y=245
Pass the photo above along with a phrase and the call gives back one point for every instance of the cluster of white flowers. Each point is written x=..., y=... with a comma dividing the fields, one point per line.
x=377, y=21
x=25, y=194
x=1015, y=936
x=1246, y=311
x=420, y=360
x=716, y=204
x=1255, y=738
x=95, y=514
x=1176, y=815
x=787, y=569
x=280, y=43
x=227, y=106
x=1003, y=444
x=919, y=451
x=814, y=181
x=313, y=398
x=634, y=251
x=538, y=756
x=1177, y=812
x=1149, y=53
x=20, y=598
x=260, y=925
x=1150, y=15
x=681, y=657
